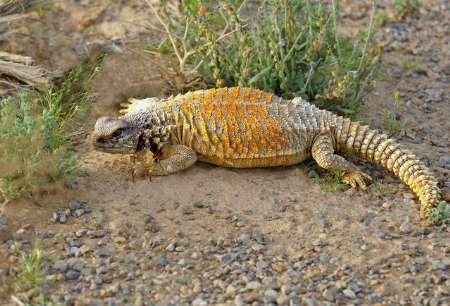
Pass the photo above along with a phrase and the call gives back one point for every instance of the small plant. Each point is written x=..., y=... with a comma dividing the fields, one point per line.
x=291, y=48
x=33, y=274
x=330, y=182
x=381, y=18
x=35, y=136
x=382, y=190
x=440, y=214
x=405, y=8
x=394, y=124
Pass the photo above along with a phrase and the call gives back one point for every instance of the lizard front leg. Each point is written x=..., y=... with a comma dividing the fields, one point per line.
x=323, y=153
x=173, y=158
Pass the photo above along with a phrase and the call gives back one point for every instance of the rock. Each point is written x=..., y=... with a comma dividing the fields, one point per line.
x=406, y=227
x=5, y=231
x=60, y=266
x=171, y=247
x=199, y=302
x=239, y=301
x=375, y=298
x=444, y=162
x=97, y=233
x=253, y=285
x=72, y=275
x=349, y=293
x=149, y=218
x=60, y=217
x=329, y=295
x=382, y=234
x=78, y=212
x=75, y=204
x=161, y=261
x=199, y=204
x=103, y=253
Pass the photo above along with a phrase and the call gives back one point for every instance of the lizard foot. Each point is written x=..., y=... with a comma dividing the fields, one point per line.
x=355, y=178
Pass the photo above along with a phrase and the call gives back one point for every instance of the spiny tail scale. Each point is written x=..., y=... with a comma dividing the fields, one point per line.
x=374, y=146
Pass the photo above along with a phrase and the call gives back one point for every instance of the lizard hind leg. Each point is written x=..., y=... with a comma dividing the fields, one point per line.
x=323, y=153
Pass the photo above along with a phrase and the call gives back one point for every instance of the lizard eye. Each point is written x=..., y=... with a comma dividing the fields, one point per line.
x=116, y=133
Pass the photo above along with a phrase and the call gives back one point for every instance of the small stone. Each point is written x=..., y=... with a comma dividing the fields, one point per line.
x=161, y=261
x=60, y=217
x=231, y=290
x=149, y=218
x=104, y=253
x=78, y=212
x=444, y=162
x=349, y=293
x=253, y=285
x=271, y=293
x=239, y=301
x=406, y=227
x=171, y=247
x=375, y=298
x=101, y=270
x=278, y=267
x=199, y=302
x=97, y=233
x=75, y=204
x=195, y=255
x=383, y=235
x=5, y=231
x=84, y=249
x=328, y=294
x=60, y=265
x=199, y=204
x=72, y=275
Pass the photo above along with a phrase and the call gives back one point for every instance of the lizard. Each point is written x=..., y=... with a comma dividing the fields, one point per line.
x=244, y=128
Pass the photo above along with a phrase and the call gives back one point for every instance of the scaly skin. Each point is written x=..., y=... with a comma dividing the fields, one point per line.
x=244, y=128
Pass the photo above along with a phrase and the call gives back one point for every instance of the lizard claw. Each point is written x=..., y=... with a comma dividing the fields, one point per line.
x=356, y=178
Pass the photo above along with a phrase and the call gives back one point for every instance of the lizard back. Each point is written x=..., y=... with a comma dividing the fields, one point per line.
x=243, y=127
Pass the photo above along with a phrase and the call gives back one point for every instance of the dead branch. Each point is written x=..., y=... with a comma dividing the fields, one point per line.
x=15, y=58
x=31, y=75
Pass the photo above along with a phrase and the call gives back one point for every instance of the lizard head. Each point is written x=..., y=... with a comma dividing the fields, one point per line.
x=116, y=135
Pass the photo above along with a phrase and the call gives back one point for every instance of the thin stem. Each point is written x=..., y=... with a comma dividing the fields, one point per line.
x=166, y=28
x=338, y=48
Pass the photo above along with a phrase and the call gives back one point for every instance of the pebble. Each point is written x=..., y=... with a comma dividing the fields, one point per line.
x=72, y=275
x=60, y=265
x=444, y=162
x=375, y=298
x=199, y=302
x=253, y=285
x=349, y=293
x=103, y=253
x=199, y=204
x=96, y=233
x=171, y=247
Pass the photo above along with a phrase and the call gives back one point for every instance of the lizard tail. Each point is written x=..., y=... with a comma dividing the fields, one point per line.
x=374, y=146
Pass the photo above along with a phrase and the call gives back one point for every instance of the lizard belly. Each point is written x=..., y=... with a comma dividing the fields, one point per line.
x=255, y=162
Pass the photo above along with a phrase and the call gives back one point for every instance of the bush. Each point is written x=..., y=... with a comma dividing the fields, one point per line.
x=35, y=139
x=288, y=47
x=405, y=8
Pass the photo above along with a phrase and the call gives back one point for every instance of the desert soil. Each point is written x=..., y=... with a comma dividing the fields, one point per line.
x=235, y=237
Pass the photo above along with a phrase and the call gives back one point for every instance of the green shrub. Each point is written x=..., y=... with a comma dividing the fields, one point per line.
x=288, y=47
x=35, y=137
x=440, y=214
x=404, y=8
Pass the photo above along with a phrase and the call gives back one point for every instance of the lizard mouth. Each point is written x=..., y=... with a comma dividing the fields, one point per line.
x=107, y=145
